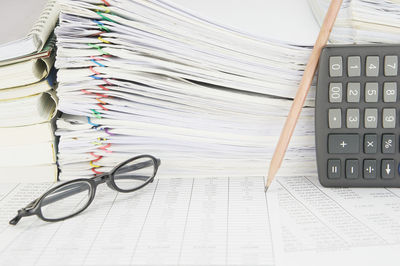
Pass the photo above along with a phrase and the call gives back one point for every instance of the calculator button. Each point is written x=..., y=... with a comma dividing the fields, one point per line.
x=387, y=169
x=353, y=92
x=391, y=65
x=335, y=66
x=333, y=168
x=351, y=169
x=390, y=92
x=389, y=118
x=372, y=66
x=353, y=118
x=369, y=169
x=370, y=143
x=354, y=66
x=371, y=118
x=371, y=92
x=335, y=92
x=388, y=143
x=343, y=143
x=335, y=118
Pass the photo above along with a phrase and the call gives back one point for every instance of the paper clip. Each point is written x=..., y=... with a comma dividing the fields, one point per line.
x=97, y=34
x=96, y=113
x=96, y=172
x=104, y=17
x=99, y=64
x=96, y=143
x=104, y=41
x=101, y=25
x=94, y=71
x=105, y=147
x=94, y=165
x=95, y=58
x=102, y=107
x=102, y=87
x=107, y=130
x=105, y=2
x=94, y=76
x=91, y=45
x=91, y=123
x=86, y=92
x=107, y=10
x=107, y=82
x=98, y=157
x=99, y=142
x=100, y=101
x=102, y=95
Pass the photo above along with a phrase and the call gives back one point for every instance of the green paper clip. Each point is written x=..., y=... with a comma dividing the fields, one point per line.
x=95, y=46
x=96, y=113
x=104, y=17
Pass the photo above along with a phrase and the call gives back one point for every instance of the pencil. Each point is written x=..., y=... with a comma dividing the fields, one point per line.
x=302, y=91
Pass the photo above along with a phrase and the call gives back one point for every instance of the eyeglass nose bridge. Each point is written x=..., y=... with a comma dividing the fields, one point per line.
x=104, y=178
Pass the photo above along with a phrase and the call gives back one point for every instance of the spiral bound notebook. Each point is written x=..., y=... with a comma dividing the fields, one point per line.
x=32, y=23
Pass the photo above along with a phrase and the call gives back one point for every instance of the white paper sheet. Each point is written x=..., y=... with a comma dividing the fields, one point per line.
x=258, y=17
x=214, y=221
x=313, y=225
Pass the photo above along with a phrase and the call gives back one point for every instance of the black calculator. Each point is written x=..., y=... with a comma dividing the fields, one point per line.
x=357, y=116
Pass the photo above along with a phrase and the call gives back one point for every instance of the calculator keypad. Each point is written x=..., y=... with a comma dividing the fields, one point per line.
x=372, y=66
x=353, y=92
x=391, y=65
x=390, y=92
x=335, y=66
x=357, y=127
x=354, y=66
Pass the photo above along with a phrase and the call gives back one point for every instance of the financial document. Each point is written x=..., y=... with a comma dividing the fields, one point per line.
x=212, y=221
x=313, y=225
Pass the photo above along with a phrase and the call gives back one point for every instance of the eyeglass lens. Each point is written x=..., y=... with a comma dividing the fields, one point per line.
x=66, y=200
x=134, y=174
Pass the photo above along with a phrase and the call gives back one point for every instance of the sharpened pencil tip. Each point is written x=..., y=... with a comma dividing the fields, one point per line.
x=265, y=189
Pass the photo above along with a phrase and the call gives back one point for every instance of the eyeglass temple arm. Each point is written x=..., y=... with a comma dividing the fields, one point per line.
x=23, y=212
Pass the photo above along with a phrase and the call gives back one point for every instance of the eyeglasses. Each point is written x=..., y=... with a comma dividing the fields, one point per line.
x=71, y=198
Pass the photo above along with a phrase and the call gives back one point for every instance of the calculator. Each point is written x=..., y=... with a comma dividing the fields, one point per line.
x=356, y=116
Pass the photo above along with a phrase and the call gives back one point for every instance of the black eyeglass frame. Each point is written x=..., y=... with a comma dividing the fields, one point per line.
x=35, y=207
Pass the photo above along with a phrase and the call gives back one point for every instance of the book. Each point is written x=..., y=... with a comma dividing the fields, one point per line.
x=28, y=153
x=26, y=90
x=17, y=136
x=29, y=174
x=32, y=23
x=28, y=69
x=28, y=110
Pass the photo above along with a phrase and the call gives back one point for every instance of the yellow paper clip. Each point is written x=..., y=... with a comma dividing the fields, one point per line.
x=94, y=165
x=101, y=39
x=106, y=9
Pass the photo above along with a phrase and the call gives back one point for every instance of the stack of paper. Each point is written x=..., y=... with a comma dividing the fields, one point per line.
x=27, y=101
x=206, y=93
x=363, y=21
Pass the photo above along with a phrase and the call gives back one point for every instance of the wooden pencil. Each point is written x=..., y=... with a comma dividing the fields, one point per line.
x=302, y=91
